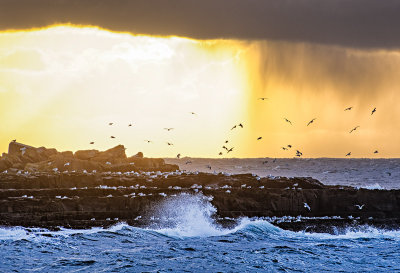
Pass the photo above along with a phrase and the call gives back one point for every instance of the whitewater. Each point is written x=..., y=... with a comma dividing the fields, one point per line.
x=188, y=239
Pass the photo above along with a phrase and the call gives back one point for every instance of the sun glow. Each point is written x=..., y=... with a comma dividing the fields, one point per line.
x=61, y=86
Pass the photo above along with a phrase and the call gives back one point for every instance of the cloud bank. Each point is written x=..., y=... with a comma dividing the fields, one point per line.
x=350, y=23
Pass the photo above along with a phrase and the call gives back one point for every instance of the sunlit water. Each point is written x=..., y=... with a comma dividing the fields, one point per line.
x=192, y=242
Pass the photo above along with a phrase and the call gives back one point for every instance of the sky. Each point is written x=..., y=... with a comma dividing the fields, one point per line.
x=69, y=68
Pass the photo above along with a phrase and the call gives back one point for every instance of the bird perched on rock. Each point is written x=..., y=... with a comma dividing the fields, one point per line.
x=311, y=121
x=284, y=148
x=265, y=162
x=298, y=153
x=373, y=111
x=208, y=167
x=259, y=138
x=288, y=121
x=289, y=146
x=178, y=156
x=355, y=128
x=348, y=108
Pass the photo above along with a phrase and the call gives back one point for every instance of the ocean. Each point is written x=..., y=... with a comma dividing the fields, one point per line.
x=189, y=240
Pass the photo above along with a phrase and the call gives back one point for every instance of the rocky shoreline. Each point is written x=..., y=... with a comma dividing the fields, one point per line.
x=83, y=198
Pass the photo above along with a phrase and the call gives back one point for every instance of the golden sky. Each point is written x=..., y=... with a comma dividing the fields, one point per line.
x=61, y=86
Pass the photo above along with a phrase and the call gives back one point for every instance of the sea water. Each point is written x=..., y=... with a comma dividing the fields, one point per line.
x=189, y=240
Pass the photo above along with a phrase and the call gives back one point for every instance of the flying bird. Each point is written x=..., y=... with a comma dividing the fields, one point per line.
x=208, y=167
x=373, y=111
x=288, y=121
x=148, y=141
x=92, y=142
x=307, y=206
x=233, y=127
x=284, y=148
x=178, y=156
x=111, y=123
x=230, y=150
x=289, y=146
x=348, y=108
x=220, y=153
x=169, y=143
x=262, y=98
x=311, y=121
x=376, y=152
x=355, y=128
x=240, y=125
x=193, y=113
x=129, y=125
x=168, y=129
x=360, y=207
x=265, y=162
x=259, y=138
x=112, y=136
x=348, y=154
x=226, y=141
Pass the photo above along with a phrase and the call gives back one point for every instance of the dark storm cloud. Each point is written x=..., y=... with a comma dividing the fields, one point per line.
x=355, y=23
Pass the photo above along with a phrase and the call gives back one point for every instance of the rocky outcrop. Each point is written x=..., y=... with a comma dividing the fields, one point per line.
x=31, y=159
x=83, y=200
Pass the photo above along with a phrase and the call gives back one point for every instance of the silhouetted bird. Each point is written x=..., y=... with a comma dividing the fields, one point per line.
x=230, y=150
x=273, y=161
x=289, y=146
x=129, y=125
x=148, y=141
x=355, y=128
x=112, y=136
x=348, y=154
x=193, y=113
x=376, y=152
x=169, y=143
x=220, y=153
x=226, y=141
x=259, y=138
x=14, y=140
x=224, y=147
x=284, y=148
x=311, y=121
x=111, y=123
x=233, y=127
x=348, y=108
x=288, y=121
x=208, y=167
x=92, y=142
x=168, y=129
x=373, y=111
x=298, y=153
x=262, y=98
x=240, y=125
x=178, y=156
x=307, y=206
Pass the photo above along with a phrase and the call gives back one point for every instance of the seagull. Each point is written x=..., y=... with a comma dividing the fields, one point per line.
x=224, y=147
x=233, y=127
x=360, y=207
x=262, y=98
x=348, y=154
x=355, y=128
x=307, y=206
x=289, y=146
x=129, y=125
x=111, y=123
x=178, y=156
x=348, y=108
x=373, y=111
x=230, y=150
x=92, y=142
x=240, y=125
x=168, y=129
x=193, y=113
x=14, y=140
x=220, y=153
x=288, y=121
x=112, y=136
x=169, y=143
x=311, y=121
x=226, y=141
x=148, y=141
x=376, y=152
x=259, y=138
x=284, y=148
x=298, y=153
